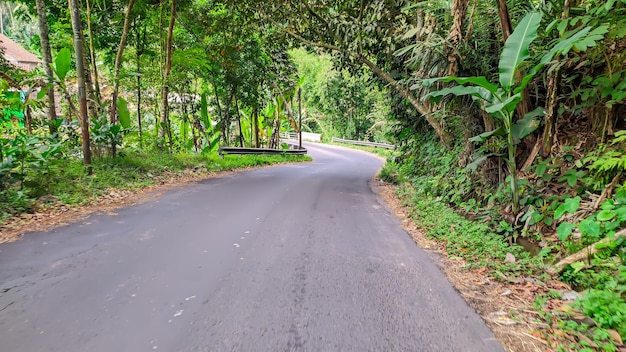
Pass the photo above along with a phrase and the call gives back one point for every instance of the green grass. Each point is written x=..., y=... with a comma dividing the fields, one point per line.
x=385, y=153
x=473, y=241
x=65, y=180
x=232, y=162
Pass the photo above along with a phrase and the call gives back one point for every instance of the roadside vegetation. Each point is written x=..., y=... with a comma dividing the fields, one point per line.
x=508, y=119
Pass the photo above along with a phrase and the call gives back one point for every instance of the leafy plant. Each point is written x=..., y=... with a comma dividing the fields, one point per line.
x=211, y=134
x=500, y=100
x=606, y=308
x=104, y=134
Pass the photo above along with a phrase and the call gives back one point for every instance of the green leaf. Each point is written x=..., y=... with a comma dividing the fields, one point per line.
x=561, y=47
x=123, y=113
x=479, y=81
x=620, y=196
x=558, y=212
x=404, y=50
x=589, y=227
x=478, y=92
x=42, y=93
x=610, y=226
x=62, y=63
x=479, y=158
x=541, y=169
x=481, y=138
x=527, y=125
x=621, y=213
x=516, y=48
x=564, y=230
x=507, y=106
x=572, y=204
x=591, y=39
x=606, y=215
x=578, y=266
x=411, y=32
x=571, y=176
x=608, y=204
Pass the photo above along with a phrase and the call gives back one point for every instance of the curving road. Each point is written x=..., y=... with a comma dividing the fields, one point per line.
x=292, y=258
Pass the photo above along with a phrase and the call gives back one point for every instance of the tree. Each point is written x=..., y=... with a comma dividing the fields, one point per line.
x=117, y=68
x=47, y=60
x=165, y=120
x=80, y=72
x=362, y=32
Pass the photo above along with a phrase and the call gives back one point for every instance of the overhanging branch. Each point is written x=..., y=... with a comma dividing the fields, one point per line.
x=395, y=85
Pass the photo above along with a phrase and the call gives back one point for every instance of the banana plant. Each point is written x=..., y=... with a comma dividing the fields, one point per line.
x=211, y=134
x=246, y=125
x=267, y=116
x=500, y=99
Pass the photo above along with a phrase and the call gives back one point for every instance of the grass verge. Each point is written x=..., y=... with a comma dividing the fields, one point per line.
x=526, y=308
x=472, y=241
x=383, y=152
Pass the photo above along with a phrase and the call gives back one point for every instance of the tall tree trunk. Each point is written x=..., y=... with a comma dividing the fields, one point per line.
x=165, y=120
x=47, y=60
x=80, y=73
x=117, y=69
x=92, y=106
x=139, y=51
x=86, y=72
x=459, y=13
x=92, y=53
x=227, y=116
x=139, y=124
x=299, y=118
x=547, y=139
x=29, y=119
x=118, y=60
x=505, y=19
x=241, y=139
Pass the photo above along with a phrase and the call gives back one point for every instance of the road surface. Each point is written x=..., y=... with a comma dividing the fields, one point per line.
x=297, y=257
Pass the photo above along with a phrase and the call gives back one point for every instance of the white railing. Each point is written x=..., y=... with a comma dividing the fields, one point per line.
x=306, y=136
x=369, y=144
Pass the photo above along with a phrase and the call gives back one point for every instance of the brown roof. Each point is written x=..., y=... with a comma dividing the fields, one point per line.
x=17, y=55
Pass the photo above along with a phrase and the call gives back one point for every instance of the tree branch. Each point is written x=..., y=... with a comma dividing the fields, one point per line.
x=395, y=85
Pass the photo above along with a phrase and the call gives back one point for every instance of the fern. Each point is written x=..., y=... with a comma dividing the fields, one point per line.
x=620, y=137
x=611, y=162
x=607, y=163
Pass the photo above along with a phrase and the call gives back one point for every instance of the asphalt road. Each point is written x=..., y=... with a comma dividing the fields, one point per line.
x=292, y=258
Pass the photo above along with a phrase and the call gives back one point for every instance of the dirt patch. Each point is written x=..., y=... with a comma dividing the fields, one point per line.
x=507, y=308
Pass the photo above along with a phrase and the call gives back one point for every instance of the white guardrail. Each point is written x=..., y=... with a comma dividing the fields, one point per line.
x=369, y=144
x=306, y=136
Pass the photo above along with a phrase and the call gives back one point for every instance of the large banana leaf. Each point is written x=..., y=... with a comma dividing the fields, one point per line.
x=62, y=63
x=474, y=91
x=506, y=106
x=515, y=49
x=527, y=125
x=479, y=81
